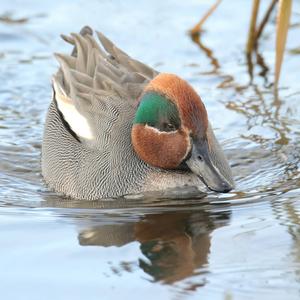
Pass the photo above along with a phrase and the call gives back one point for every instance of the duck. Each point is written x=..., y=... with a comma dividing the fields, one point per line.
x=117, y=127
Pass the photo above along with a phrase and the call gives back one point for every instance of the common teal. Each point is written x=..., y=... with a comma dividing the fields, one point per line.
x=115, y=126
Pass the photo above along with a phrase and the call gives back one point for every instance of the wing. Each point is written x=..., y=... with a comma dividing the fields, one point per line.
x=96, y=88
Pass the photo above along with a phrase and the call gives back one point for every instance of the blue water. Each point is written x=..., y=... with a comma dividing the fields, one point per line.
x=242, y=245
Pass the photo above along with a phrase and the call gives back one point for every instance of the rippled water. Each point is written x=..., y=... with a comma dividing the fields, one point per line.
x=242, y=245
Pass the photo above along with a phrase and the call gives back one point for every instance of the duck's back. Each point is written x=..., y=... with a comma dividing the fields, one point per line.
x=87, y=151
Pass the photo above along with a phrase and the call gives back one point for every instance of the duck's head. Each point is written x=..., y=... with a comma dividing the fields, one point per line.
x=171, y=131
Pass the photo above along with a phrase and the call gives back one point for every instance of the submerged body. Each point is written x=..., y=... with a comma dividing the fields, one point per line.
x=115, y=127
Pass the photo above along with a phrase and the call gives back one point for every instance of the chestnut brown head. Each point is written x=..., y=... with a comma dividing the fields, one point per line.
x=171, y=130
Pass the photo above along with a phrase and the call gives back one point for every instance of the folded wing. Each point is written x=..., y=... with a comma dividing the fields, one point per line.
x=96, y=88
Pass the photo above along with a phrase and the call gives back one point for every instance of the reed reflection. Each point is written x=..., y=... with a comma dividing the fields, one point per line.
x=261, y=107
x=197, y=39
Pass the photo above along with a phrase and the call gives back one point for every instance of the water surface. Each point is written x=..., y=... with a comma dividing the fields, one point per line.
x=241, y=245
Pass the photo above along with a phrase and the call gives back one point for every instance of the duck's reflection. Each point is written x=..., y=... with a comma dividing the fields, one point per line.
x=174, y=244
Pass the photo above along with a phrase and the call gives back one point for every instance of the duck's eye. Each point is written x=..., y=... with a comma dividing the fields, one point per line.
x=169, y=127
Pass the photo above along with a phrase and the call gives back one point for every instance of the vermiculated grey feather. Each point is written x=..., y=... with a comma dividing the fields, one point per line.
x=93, y=83
x=87, y=151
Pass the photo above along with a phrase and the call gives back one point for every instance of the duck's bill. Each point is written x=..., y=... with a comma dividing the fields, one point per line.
x=208, y=161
